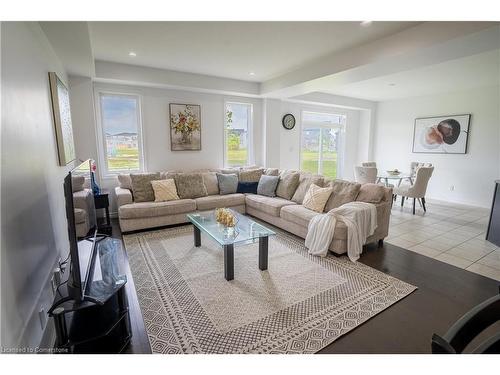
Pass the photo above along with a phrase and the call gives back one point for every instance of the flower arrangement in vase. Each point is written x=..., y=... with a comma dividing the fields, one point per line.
x=225, y=217
x=185, y=123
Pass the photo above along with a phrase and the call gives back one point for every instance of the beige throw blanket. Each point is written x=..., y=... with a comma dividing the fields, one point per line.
x=360, y=219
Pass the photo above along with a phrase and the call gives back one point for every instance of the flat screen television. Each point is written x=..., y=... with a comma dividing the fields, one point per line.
x=82, y=228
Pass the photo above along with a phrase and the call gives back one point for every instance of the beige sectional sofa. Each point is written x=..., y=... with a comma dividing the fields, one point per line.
x=286, y=214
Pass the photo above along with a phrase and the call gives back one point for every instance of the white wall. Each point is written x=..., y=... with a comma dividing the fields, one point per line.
x=34, y=231
x=472, y=174
x=155, y=126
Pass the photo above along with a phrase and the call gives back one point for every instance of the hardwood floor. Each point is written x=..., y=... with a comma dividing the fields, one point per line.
x=445, y=293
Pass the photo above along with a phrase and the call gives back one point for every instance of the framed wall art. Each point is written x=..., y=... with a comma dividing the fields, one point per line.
x=62, y=120
x=441, y=134
x=185, y=127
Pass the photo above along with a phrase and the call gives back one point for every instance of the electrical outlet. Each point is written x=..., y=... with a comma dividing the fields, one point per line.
x=43, y=318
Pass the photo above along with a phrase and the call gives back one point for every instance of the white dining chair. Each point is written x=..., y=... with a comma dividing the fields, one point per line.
x=414, y=165
x=365, y=175
x=418, y=189
x=369, y=164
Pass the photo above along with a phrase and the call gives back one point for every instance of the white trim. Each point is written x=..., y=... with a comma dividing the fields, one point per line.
x=250, y=133
x=101, y=140
x=321, y=126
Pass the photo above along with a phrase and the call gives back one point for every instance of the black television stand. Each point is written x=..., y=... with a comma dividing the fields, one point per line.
x=100, y=321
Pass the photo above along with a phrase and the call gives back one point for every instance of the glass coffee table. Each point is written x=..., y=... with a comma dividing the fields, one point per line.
x=246, y=231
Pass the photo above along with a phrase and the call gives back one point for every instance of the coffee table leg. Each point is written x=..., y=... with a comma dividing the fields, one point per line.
x=197, y=236
x=229, y=262
x=263, y=246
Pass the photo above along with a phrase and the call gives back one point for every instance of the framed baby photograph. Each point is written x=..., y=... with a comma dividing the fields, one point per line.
x=441, y=135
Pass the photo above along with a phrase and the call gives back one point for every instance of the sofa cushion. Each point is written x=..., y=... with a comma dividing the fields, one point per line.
x=77, y=183
x=219, y=201
x=141, y=186
x=305, y=181
x=272, y=171
x=371, y=193
x=125, y=181
x=343, y=192
x=165, y=190
x=153, y=209
x=250, y=175
x=211, y=183
x=190, y=185
x=235, y=171
x=247, y=187
x=288, y=184
x=80, y=216
x=268, y=205
x=300, y=215
x=228, y=183
x=267, y=185
x=316, y=198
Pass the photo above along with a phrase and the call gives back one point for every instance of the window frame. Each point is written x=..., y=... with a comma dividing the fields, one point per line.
x=101, y=138
x=321, y=125
x=250, y=151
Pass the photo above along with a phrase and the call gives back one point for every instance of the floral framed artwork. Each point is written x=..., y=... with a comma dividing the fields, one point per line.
x=441, y=134
x=62, y=120
x=185, y=127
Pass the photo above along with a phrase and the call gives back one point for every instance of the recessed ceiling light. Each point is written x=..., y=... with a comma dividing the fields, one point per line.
x=366, y=23
x=252, y=73
x=132, y=54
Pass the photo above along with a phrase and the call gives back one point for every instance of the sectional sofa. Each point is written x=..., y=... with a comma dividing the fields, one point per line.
x=288, y=214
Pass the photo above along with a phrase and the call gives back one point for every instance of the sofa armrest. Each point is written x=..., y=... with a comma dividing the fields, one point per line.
x=123, y=196
x=383, y=217
x=82, y=198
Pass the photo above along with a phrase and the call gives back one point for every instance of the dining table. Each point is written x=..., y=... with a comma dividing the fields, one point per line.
x=396, y=177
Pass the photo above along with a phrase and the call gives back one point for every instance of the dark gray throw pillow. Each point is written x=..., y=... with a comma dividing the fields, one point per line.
x=141, y=186
x=228, y=183
x=190, y=185
x=267, y=185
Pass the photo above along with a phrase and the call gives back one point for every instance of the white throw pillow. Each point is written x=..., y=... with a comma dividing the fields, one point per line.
x=316, y=198
x=165, y=190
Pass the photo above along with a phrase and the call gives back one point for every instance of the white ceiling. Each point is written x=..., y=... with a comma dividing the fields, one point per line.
x=231, y=49
x=466, y=73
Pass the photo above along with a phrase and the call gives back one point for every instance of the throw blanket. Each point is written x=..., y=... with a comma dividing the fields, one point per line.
x=360, y=219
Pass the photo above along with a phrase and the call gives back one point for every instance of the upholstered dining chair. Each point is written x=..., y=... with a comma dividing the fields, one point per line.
x=365, y=175
x=418, y=189
x=369, y=164
x=414, y=165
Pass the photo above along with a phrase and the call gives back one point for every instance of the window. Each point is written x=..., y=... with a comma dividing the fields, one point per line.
x=237, y=134
x=120, y=133
x=321, y=143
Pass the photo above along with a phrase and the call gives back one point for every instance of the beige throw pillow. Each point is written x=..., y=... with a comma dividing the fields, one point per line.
x=371, y=193
x=250, y=175
x=316, y=197
x=306, y=180
x=287, y=184
x=343, y=192
x=211, y=183
x=165, y=190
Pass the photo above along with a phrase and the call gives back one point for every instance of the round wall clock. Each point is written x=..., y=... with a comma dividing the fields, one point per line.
x=288, y=121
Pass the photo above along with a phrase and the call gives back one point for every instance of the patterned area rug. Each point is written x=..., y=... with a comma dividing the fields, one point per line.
x=299, y=305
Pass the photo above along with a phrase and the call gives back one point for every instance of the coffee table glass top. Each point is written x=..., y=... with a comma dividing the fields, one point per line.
x=245, y=231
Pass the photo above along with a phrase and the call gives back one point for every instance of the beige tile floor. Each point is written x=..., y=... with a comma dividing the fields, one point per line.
x=450, y=233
